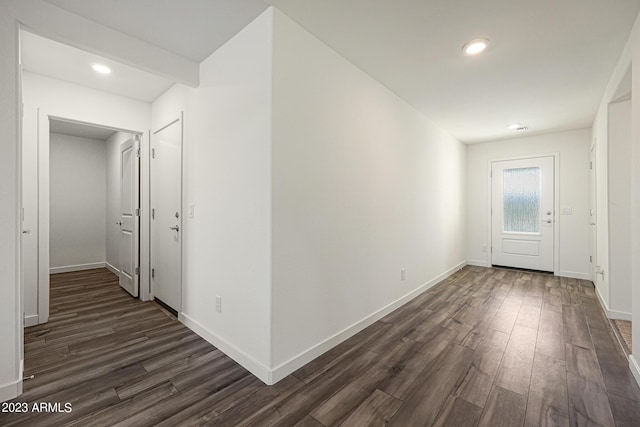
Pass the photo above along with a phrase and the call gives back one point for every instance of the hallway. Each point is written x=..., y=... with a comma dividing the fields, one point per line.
x=485, y=347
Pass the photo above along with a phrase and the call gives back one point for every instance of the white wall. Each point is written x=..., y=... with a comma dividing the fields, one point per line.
x=227, y=177
x=113, y=198
x=630, y=54
x=363, y=186
x=44, y=97
x=78, y=201
x=10, y=301
x=633, y=50
x=620, y=208
x=573, y=149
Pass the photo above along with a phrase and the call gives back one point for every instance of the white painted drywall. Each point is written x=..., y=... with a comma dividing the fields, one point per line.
x=600, y=136
x=620, y=208
x=10, y=301
x=113, y=197
x=630, y=54
x=363, y=186
x=78, y=201
x=43, y=97
x=227, y=177
x=573, y=149
x=633, y=50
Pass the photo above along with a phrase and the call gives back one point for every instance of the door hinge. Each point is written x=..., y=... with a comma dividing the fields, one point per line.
x=137, y=211
x=153, y=153
x=153, y=273
x=137, y=271
x=590, y=165
x=491, y=249
x=138, y=152
x=590, y=258
x=153, y=214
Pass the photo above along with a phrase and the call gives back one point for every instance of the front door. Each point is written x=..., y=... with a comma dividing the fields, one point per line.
x=166, y=214
x=128, y=246
x=523, y=213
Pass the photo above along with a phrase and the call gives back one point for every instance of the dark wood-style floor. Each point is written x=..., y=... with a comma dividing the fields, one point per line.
x=486, y=347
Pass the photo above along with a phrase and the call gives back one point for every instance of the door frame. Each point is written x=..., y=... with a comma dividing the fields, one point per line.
x=43, y=222
x=556, y=207
x=593, y=209
x=179, y=118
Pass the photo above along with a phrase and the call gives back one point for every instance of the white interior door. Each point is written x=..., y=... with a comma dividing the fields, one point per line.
x=523, y=213
x=129, y=242
x=166, y=214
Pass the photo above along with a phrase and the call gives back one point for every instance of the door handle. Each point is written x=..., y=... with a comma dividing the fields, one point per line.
x=26, y=231
x=119, y=222
x=548, y=221
x=176, y=228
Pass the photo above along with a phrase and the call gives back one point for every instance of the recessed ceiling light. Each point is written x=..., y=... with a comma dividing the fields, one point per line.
x=517, y=126
x=475, y=46
x=102, y=69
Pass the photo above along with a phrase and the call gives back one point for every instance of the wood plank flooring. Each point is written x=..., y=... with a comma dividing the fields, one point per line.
x=486, y=347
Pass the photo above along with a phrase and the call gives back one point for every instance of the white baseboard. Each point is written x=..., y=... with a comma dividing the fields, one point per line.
x=256, y=368
x=10, y=390
x=612, y=314
x=478, y=263
x=79, y=267
x=31, y=320
x=112, y=269
x=635, y=368
x=272, y=376
x=574, y=275
x=308, y=355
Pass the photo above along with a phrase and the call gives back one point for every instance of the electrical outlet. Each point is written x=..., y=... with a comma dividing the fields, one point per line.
x=403, y=274
x=567, y=210
x=218, y=303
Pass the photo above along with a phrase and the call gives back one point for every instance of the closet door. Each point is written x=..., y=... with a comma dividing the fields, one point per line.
x=166, y=214
x=129, y=241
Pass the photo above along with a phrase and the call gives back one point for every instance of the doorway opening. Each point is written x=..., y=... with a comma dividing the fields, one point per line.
x=85, y=211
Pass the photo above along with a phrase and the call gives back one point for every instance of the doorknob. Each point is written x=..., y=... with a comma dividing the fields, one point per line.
x=26, y=231
x=548, y=221
x=119, y=222
x=176, y=228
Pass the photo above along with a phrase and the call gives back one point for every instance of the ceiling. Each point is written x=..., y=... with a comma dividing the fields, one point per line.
x=63, y=62
x=80, y=129
x=193, y=29
x=546, y=67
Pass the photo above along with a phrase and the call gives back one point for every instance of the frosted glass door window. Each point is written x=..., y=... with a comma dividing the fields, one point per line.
x=522, y=200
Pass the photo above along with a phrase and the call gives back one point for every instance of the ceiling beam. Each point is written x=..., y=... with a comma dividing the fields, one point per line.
x=55, y=23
